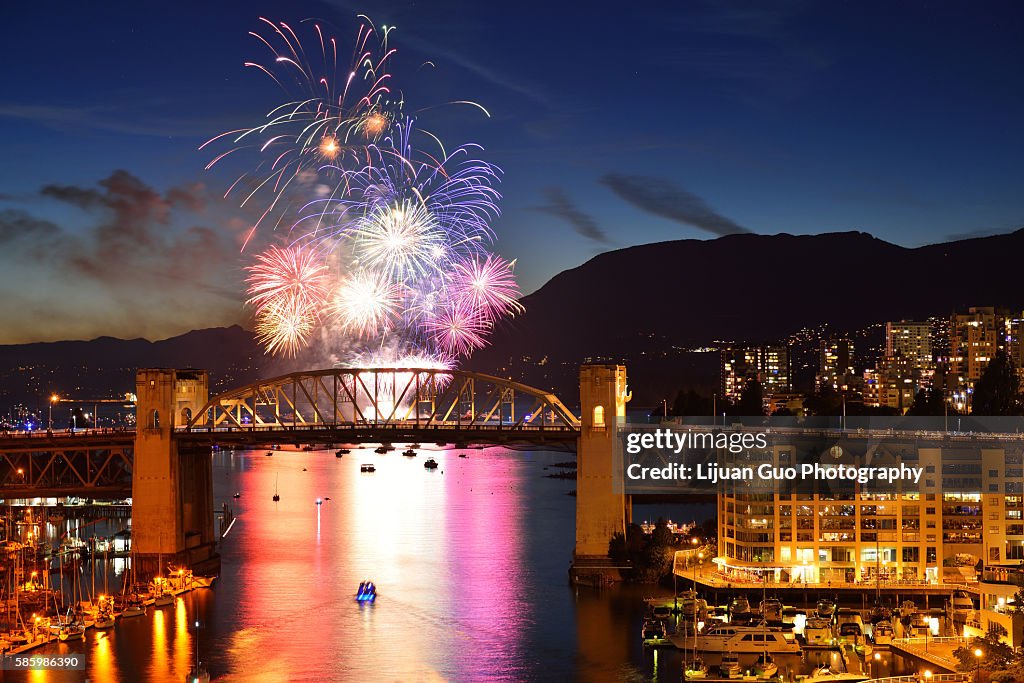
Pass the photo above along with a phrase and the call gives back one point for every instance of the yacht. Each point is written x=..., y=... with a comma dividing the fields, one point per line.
x=74, y=630
x=341, y=451
x=430, y=464
x=730, y=666
x=367, y=467
x=826, y=608
x=691, y=606
x=380, y=450
x=409, y=453
x=882, y=633
x=662, y=612
x=653, y=632
x=771, y=609
x=851, y=631
x=735, y=639
x=739, y=608
x=818, y=632
x=134, y=608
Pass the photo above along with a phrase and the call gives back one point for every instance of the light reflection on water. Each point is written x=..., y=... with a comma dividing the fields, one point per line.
x=470, y=561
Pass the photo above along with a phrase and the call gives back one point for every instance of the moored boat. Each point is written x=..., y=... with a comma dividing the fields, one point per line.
x=430, y=464
x=367, y=467
x=882, y=633
x=730, y=666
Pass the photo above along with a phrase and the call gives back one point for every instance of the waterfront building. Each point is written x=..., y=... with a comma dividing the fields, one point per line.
x=968, y=508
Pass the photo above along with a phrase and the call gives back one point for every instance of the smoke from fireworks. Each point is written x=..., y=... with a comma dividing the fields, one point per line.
x=390, y=230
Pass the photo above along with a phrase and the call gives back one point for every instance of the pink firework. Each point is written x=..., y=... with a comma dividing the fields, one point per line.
x=489, y=285
x=294, y=274
x=458, y=328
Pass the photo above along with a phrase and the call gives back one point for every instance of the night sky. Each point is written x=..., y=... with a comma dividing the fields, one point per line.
x=614, y=125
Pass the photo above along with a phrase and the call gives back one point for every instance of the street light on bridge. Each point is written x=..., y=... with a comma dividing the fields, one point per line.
x=53, y=399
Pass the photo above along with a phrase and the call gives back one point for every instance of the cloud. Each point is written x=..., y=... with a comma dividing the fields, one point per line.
x=560, y=206
x=661, y=198
x=16, y=225
x=137, y=261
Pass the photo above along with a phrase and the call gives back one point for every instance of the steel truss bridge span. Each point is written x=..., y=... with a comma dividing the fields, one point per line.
x=383, y=404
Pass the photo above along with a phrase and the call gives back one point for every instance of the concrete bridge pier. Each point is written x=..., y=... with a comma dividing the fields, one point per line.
x=601, y=511
x=172, y=483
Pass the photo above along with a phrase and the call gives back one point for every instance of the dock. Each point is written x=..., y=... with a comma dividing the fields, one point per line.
x=41, y=637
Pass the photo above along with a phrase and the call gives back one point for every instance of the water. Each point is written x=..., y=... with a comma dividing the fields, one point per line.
x=471, y=566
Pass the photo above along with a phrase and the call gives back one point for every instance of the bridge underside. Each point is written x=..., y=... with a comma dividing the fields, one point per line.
x=88, y=466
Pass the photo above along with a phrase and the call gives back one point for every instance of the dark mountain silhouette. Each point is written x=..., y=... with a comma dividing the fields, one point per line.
x=634, y=304
x=639, y=305
x=105, y=367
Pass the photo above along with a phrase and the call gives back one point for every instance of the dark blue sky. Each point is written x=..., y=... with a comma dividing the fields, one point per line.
x=614, y=124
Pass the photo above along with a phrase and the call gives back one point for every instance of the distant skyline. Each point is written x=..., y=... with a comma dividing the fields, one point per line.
x=612, y=129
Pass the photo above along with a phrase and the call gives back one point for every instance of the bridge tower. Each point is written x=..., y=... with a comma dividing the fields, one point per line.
x=172, y=485
x=601, y=512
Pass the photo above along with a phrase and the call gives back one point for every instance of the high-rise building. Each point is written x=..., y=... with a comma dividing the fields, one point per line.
x=911, y=341
x=975, y=338
x=835, y=364
x=769, y=365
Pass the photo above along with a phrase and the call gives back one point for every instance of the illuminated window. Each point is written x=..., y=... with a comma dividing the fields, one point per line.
x=599, y=416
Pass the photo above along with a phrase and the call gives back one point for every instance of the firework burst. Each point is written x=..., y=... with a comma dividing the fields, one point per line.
x=367, y=303
x=390, y=228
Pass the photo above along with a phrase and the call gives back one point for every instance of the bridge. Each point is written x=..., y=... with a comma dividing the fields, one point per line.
x=165, y=463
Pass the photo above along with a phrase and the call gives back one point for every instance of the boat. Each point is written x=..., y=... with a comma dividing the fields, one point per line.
x=237, y=495
x=771, y=610
x=163, y=598
x=367, y=467
x=134, y=608
x=690, y=605
x=696, y=670
x=662, y=612
x=851, y=630
x=882, y=633
x=826, y=608
x=430, y=464
x=409, y=453
x=104, y=613
x=307, y=447
x=818, y=632
x=463, y=455
x=270, y=454
x=961, y=605
x=276, y=496
x=415, y=446
x=908, y=608
x=826, y=674
x=367, y=592
x=380, y=450
x=653, y=632
x=730, y=666
x=879, y=613
x=341, y=451
x=745, y=640
x=765, y=667
x=71, y=631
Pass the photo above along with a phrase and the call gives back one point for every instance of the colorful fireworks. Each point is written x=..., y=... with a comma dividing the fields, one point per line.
x=390, y=230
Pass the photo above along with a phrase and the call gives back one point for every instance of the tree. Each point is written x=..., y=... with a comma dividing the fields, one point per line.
x=998, y=390
x=751, y=400
x=996, y=656
x=929, y=402
x=690, y=403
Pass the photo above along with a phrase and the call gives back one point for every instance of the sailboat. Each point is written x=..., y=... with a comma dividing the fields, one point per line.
x=132, y=601
x=276, y=496
x=162, y=594
x=105, y=605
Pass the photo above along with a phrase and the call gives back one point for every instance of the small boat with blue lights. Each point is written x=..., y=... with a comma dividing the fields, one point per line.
x=367, y=592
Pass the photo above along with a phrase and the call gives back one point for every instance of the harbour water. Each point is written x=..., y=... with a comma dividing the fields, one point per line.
x=470, y=561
